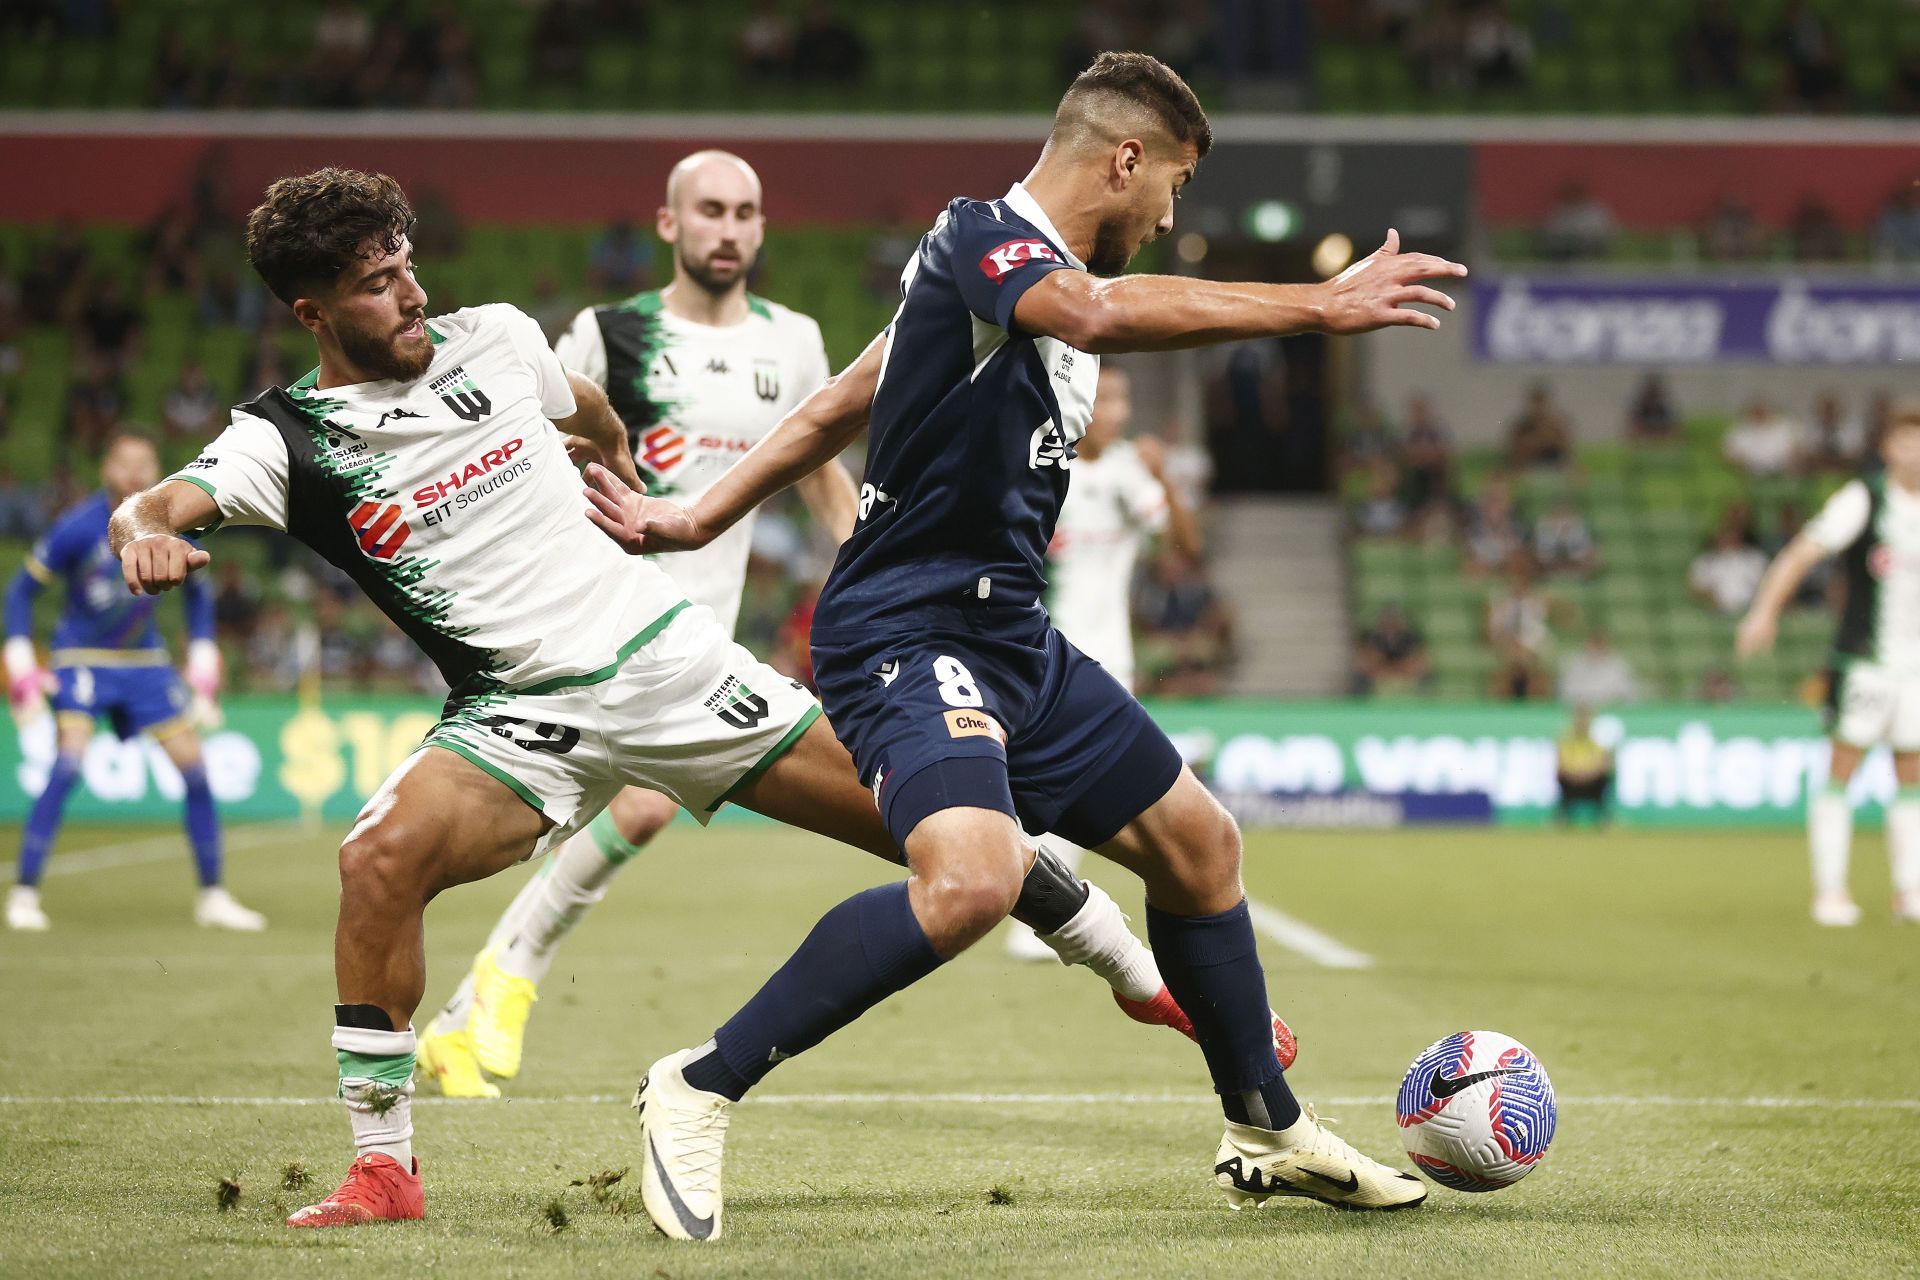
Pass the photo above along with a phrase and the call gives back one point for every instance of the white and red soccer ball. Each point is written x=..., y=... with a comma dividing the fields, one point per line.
x=1476, y=1111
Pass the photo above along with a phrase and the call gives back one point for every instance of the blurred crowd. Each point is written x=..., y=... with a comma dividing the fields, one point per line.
x=1407, y=486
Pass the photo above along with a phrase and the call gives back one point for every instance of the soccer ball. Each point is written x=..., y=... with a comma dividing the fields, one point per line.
x=1476, y=1111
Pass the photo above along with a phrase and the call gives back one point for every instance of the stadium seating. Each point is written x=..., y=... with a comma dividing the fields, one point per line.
x=1651, y=510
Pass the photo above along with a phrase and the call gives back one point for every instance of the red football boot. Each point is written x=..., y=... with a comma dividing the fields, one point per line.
x=376, y=1189
x=1164, y=1011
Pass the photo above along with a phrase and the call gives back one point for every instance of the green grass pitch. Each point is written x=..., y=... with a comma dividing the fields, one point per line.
x=1739, y=1091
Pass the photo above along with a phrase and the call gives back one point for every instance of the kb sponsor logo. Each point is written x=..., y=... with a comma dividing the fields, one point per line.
x=1013, y=254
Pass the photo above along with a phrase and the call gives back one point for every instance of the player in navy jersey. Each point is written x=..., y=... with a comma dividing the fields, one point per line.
x=108, y=662
x=967, y=714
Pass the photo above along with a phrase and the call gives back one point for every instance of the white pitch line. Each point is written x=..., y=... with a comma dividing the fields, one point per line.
x=976, y=1099
x=1298, y=935
x=154, y=849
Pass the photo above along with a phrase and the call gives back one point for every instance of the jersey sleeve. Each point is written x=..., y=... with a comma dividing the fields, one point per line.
x=549, y=375
x=1844, y=518
x=583, y=348
x=61, y=547
x=995, y=262
x=244, y=471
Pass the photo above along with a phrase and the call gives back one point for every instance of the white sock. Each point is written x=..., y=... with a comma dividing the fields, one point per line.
x=1903, y=842
x=576, y=877
x=1830, y=839
x=1098, y=938
x=376, y=1083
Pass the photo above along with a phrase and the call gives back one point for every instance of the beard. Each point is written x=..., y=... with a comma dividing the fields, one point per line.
x=386, y=355
x=1113, y=248
x=712, y=280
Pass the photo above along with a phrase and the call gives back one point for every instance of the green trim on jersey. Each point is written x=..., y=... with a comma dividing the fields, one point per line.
x=512, y=783
x=758, y=306
x=765, y=762
x=605, y=673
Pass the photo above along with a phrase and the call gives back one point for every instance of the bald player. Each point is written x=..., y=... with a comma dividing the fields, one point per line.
x=698, y=371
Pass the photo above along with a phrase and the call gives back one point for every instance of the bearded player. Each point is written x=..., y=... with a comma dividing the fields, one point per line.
x=968, y=714
x=433, y=461
x=1873, y=525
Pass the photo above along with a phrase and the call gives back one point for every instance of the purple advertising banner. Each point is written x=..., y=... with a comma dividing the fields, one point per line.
x=1558, y=321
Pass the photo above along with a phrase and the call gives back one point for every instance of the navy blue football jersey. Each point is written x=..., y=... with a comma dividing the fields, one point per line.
x=973, y=425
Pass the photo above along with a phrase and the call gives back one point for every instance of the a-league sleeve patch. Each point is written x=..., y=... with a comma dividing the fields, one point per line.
x=1014, y=254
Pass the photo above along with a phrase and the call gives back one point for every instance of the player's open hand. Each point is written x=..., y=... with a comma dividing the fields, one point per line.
x=159, y=562
x=1378, y=291
x=1755, y=636
x=642, y=526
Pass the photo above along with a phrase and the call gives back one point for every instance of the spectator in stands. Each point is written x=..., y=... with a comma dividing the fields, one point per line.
x=827, y=48
x=1896, y=232
x=1837, y=439
x=56, y=276
x=264, y=365
x=1539, y=435
x=439, y=233
x=1518, y=676
x=1725, y=575
x=1498, y=51
x=1437, y=48
x=558, y=41
x=96, y=400
x=1761, y=443
x=21, y=512
x=1583, y=768
x=192, y=409
x=172, y=252
x=1733, y=232
x=620, y=262
x=342, y=32
x=1597, y=674
x=1814, y=77
x=110, y=323
x=1495, y=534
x=228, y=299
x=1520, y=615
x=1186, y=628
x=1904, y=96
x=1383, y=512
x=1562, y=542
x=1813, y=590
x=1651, y=418
x=1390, y=654
x=1816, y=233
x=1716, y=685
x=1426, y=466
x=13, y=321
x=1580, y=226
x=175, y=80
x=237, y=603
x=764, y=46
x=276, y=650
x=1714, y=49
x=1365, y=440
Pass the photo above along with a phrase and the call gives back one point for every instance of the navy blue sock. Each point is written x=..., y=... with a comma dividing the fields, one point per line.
x=43, y=823
x=203, y=826
x=1213, y=969
x=861, y=952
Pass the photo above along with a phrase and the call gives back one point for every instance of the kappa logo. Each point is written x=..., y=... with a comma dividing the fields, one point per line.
x=396, y=415
x=718, y=365
x=975, y=724
x=662, y=449
x=462, y=394
x=380, y=529
x=1014, y=254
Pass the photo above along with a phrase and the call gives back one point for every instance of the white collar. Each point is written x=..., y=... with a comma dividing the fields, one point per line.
x=1022, y=202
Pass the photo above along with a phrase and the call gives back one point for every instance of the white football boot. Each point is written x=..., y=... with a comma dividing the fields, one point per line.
x=683, y=1136
x=216, y=909
x=1307, y=1159
x=23, y=910
x=1836, y=911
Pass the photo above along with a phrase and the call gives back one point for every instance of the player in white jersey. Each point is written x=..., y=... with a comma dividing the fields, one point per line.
x=1120, y=498
x=1873, y=525
x=698, y=372
x=432, y=460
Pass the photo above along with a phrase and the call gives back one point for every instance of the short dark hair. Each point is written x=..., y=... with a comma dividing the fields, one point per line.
x=310, y=228
x=1142, y=79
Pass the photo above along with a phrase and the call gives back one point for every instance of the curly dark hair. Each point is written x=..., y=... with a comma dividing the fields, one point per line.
x=311, y=228
x=1145, y=81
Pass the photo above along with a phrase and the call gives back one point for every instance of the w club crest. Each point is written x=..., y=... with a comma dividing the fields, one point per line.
x=463, y=395
x=766, y=379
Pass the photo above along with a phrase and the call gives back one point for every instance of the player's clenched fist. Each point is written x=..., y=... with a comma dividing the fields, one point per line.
x=159, y=562
x=641, y=525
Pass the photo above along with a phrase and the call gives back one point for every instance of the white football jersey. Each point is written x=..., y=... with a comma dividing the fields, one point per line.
x=451, y=501
x=1113, y=505
x=695, y=397
x=1873, y=525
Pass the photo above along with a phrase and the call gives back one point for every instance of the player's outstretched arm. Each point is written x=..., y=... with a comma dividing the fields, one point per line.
x=595, y=433
x=832, y=498
x=814, y=433
x=145, y=534
x=1783, y=577
x=1167, y=313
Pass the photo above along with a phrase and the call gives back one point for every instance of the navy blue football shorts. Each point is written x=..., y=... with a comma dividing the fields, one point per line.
x=989, y=707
